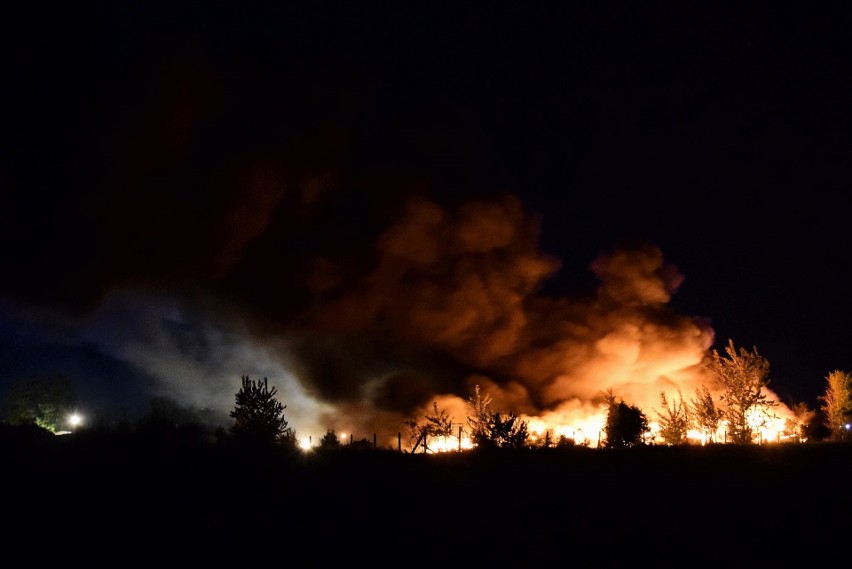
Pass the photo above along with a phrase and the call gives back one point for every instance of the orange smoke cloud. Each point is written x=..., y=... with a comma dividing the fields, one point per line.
x=467, y=284
x=456, y=283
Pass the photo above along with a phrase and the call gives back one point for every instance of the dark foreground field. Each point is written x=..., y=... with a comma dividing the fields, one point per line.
x=118, y=502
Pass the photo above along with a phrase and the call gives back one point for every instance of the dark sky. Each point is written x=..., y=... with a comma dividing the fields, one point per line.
x=185, y=189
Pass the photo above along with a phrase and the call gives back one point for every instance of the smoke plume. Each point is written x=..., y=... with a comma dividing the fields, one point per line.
x=214, y=225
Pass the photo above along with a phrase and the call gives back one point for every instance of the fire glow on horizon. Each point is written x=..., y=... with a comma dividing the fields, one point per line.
x=587, y=428
x=548, y=360
x=465, y=285
x=448, y=299
x=209, y=227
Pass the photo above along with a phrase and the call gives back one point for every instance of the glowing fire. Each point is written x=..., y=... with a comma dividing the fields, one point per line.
x=451, y=443
x=584, y=431
x=585, y=426
x=463, y=284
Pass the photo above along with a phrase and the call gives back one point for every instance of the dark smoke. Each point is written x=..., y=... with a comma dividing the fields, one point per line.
x=238, y=224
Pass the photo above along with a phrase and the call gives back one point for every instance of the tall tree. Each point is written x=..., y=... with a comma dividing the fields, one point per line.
x=259, y=416
x=704, y=414
x=674, y=419
x=626, y=425
x=836, y=402
x=742, y=377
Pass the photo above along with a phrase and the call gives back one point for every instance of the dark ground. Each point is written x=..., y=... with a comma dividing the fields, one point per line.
x=113, y=501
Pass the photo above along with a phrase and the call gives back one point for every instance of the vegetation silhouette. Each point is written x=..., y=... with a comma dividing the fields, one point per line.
x=674, y=420
x=329, y=440
x=259, y=416
x=173, y=480
x=626, y=425
x=743, y=376
x=836, y=403
x=45, y=401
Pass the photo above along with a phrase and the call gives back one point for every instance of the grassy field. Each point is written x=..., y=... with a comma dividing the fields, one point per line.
x=714, y=506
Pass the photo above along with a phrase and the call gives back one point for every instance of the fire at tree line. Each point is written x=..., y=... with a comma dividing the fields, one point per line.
x=741, y=408
x=673, y=504
x=173, y=480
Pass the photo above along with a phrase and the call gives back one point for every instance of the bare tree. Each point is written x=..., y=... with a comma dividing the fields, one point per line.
x=742, y=377
x=837, y=402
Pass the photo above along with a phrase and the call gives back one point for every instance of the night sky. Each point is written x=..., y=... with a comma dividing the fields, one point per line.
x=373, y=205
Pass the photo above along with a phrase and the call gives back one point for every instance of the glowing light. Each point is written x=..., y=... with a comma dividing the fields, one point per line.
x=451, y=443
x=75, y=420
x=577, y=429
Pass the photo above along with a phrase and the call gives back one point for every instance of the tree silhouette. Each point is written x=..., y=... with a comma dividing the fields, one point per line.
x=439, y=424
x=704, y=413
x=674, y=419
x=504, y=430
x=329, y=440
x=742, y=376
x=477, y=421
x=626, y=425
x=259, y=416
x=492, y=428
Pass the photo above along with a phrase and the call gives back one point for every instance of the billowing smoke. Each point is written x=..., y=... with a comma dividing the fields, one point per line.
x=445, y=299
x=214, y=226
x=454, y=301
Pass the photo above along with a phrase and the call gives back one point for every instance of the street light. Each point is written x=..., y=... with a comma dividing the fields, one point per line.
x=74, y=420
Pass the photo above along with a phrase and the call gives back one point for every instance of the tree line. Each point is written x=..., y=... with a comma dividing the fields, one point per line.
x=741, y=379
